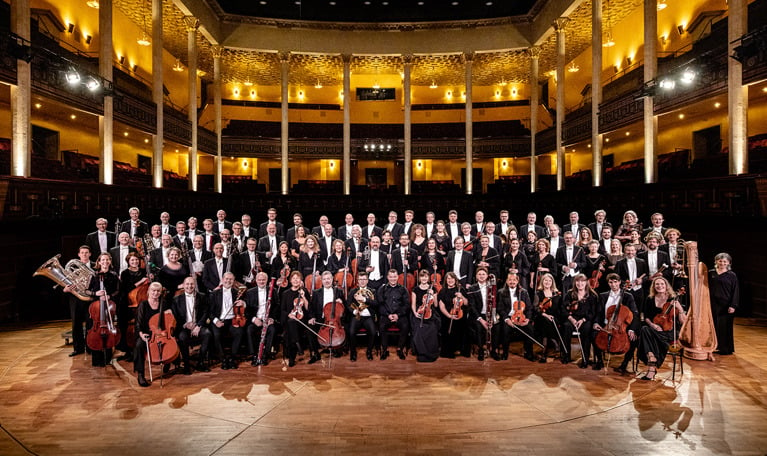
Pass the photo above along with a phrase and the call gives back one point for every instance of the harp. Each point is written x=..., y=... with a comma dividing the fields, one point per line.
x=697, y=335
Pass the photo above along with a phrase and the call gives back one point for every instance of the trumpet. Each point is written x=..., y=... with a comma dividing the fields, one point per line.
x=76, y=274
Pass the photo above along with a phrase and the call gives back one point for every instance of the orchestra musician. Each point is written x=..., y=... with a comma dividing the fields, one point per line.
x=654, y=342
x=578, y=307
x=248, y=263
x=326, y=243
x=495, y=242
x=146, y=310
x=319, y=230
x=328, y=294
x=656, y=226
x=361, y=305
x=298, y=220
x=487, y=257
x=407, y=227
x=393, y=309
x=431, y=259
x=297, y=244
x=425, y=320
x=159, y=256
x=443, y=239
x=504, y=223
x=173, y=273
x=630, y=222
x=165, y=226
x=548, y=307
x=394, y=227
x=371, y=229
x=555, y=240
x=295, y=300
x=480, y=314
x=403, y=258
x=101, y=358
x=633, y=272
x=725, y=298
x=134, y=226
x=418, y=239
x=213, y=269
x=271, y=219
x=191, y=311
x=210, y=237
x=309, y=261
x=255, y=301
x=460, y=262
x=600, y=222
x=78, y=309
x=120, y=253
x=454, y=327
x=100, y=240
x=375, y=263
x=130, y=278
x=574, y=226
x=615, y=297
x=248, y=230
x=181, y=239
x=508, y=297
x=596, y=264
x=570, y=260
x=283, y=258
x=541, y=262
x=221, y=222
x=469, y=241
x=531, y=226
x=655, y=257
x=452, y=227
x=337, y=260
x=222, y=302
x=516, y=262
x=155, y=236
x=356, y=244
x=345, y=231
x=192, y=227
x=267, y=247
x=199, y=257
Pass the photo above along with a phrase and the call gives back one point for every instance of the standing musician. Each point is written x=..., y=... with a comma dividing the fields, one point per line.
x=516, y=262
x=578, y=308
x=460, y=262
x=596, y=265
x=120, y=253
x=271, y=219
x=508, y=296
x=480, y=294
x=213, y=269
x=222, y=302
x=504, y=223
x=494, y=241
x=191, y=311
x=487, y=257
x=356, y=243
x=100, y=240
x=345, y=231
x=181, y=239
x=478, y=228
x=541, y=262
x=403, y=258
x=192, y=227
x=248, y=263
x=295, y=300
x=432, y=260
x=199, y=257
x=452, y=227
x=360, y=304
x=393, y=310
x=78, y=308
x=159, y=256
x=675, y=249
x=290, y=236
x=328, y=294
x=267, y=247
x=221, y=223
x=255, y=300
x=656, y=258
x=425, y=322
x=283, y=258
x=469, y=241
x=165, y=226
x=134, y=227
x=374, y=263
x=654, y=342
x=130, y=278
x=156, y=236
x=146, y=310
x=656, y=226
x=238, y=237
x=570, y=260
x=326, y=242
x=548, y=308
x=248, y=230
x=394, y=227
x=555, y=240
x=574, y=226
x=210, y=237
x=454, y=327
x=418, y=239
x=633, y=272
x=442, y=237
x=430, y=227
x=371, y=229
x=616, y=297
x=309, y=260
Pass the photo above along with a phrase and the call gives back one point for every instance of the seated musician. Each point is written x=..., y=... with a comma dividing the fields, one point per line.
x=654, y=340
x=548, y=305
x=453, y=303
x=425, y=320
x=294, y=311
x=325, y=296
x=360, y=305
x=190, y=310
x=507, y=297
x=256, y=312
x=222, y=302
x=616, y=297
x=146, y=310
x=481, y=315
x=393, y=309
x=579, y=305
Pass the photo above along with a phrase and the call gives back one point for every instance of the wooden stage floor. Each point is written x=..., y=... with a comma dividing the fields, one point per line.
x=51, y=404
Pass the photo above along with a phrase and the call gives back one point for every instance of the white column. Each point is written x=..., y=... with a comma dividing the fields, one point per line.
x=468, y=58
x=218, y=52
x=737, y=93
x=596, y=92
x=157, y=93
x=650, y=72
x=347, y=166
x=284, y=72
x=191, y=29
x=21, y=97
x=407, y=61
x=534, y=53
x=559, y=26
x=106, y=121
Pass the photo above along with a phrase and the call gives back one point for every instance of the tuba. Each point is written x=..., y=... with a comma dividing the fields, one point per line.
x=76, y=274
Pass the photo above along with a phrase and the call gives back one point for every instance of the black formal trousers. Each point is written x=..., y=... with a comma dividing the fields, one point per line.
x=402, y=324
x=354, y=327
x=79, y=312
x=218, y=334
x=254, y=339
x=186, y=340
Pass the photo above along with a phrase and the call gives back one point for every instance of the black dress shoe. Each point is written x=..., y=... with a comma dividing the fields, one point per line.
x=233, y=363
x=384, y=354
x=369, y=355
x=401, y=354
x=202, y=367
x=598, y=366
x=495, y=356
x=353, y=356
x=187, y=369
x=291, y=362
x=542, y=359
x=620, y=370
x=481, y=355
x=76, y=352
x=165, y=368
x=225, y=364
x=142, y=381
x=583, y=364
x=504, y=356
x=315, y=357
x=529, y=356
x=565, y=360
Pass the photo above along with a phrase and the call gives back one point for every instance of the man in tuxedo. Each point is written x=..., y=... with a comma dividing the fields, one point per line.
x=460, y=262
x=100, y=240
x=599, y=224
x=403, y=258
x=478, y=227
x=345, y=231
x=222, y=303
x=267, y=247
x=633, y=271
x=375, y=265
x=605, y=240
x=159, y=256
x=199, y=257
x=213, y=269
x=271, y=218
x=555, y=240
x=221, y=222
x=615, y=297
x=190, y=310
x=134, y=226
x=165, y=226
x=356, y=244
x=504, y=223
x=326, y=243
x=480, y=314
x=248, y=230
x=570, y=259
x=238, y=238
x=531, y=226
x=259, y=318
x=210, y=237
x=453, y=227
x=298, y=220
x=430, y=225
x=192, y=228
x=408, y=225
x=119, y=253
x=248, y=262
x=494, y=241
x=574, y=226
x=656, y=258
x=394, y=227
x=371, y=229
x=181, y=239
x=319, y=230
x=656, y=226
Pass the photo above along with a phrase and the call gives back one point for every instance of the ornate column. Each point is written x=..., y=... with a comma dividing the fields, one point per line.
x=650, y=72
x=157, y=93
x=218, y=52
x=534, y=52
x=21, y=97
x=407, y=61
x=559, y=25
x=191, y=29
x=106, y=121
x=596, y=92
x=737, y=93
x=468, y=58
x=347, y=166
x=284, y=72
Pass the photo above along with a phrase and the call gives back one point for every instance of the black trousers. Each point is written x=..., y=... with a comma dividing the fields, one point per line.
x=480, y=335
x=354, y=328
x=254, y=339
x=456, y=339
x=78, y=309
x=509, y=333
x=402, y=324
x=218, y=334
x=293, y=333
x=567, y=335
x=185, y=341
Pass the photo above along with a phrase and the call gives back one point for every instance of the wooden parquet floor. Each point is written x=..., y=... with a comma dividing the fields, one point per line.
x=51, y=404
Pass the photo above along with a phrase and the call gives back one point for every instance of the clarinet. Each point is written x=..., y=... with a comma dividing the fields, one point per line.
x=491, y=310
x=265, y=325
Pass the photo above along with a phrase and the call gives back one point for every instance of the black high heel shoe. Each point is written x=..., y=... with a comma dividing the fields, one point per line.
x=651, y=371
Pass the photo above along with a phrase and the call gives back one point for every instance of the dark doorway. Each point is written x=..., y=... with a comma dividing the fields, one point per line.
x=706, y=143
x=275, y=180
x=375, y=178
x=45, y=143
x=145, y=163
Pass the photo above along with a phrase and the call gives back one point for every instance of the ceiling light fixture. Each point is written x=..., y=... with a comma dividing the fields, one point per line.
x=144, y=40
x=573, y=68
x=93, y=3
x=177, y=66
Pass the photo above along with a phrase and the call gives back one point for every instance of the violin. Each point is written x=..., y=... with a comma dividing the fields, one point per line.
x=239, y=320
x=518, y=313
x=614, y=338
x=457, y=309
x=103, y=335
x=298, y=308
x=332, y=334
x=282, y=282
x=547, y=302
x=424, y=310
x=163, y=348
x=596, y=275
x=665, y=319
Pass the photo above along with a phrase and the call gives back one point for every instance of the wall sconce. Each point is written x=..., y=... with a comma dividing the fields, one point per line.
x=122, y=59
x=236, y=91
x=497, y=94
x=628, y=61
x=245, y=163
x=88, y=39
x=504, y=164
x=680, y=29
x=70, y=27
x=134, y=67
x=449, y=94
x=300, y=94
x=513, y=91
x=253, y=93
x=663, y=39
x=419, y=164
x=332, y=164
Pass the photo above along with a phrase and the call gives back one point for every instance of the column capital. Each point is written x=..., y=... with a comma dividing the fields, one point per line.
x=560, y=24
x=284, y=56
x=467, y=57
x=346, y=58
x=217, y=51
x=191, y=23
x=407, y=59
x=534, y=52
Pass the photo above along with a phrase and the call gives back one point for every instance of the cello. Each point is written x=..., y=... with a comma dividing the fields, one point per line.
x=613, y=338
x=665, y=319
x=343, y=277
x=332, y=333
x=103, y=335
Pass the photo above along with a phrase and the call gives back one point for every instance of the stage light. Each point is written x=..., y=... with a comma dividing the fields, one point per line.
x=688, y=76
x=73, y=77
x=92, y=84
x=667, y=84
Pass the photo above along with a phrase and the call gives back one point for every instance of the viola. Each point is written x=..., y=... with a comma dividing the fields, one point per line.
x=239, y=320
x=298, y=308
x=163, y=348
x=332, y=334
x=457, y=309
x=596, y=275
x=426, y=304
x=518, y=313
x=547, y=302
x=665, y=319
x=614, y=338
x=314, y=284
x=282, y=282
x=103, y=335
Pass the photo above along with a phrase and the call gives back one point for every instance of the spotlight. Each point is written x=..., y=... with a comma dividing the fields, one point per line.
x=92, y=84
x=73, y=77
x=667, y=84
x=688, y=76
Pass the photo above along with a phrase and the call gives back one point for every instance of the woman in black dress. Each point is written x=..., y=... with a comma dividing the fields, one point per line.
x=172, y=274
x=595, y=261
x=517, y=262
x=418, y=239
x=442, y=238
x=541, y=263
x=129, y=280
x=579, y=306
x=725, y=297
x=547, y=303
x=282, y=259
x=454, y=336
x=653, y=340
x=425, y=329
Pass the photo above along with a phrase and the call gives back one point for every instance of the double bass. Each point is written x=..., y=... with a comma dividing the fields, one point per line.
x=613, y=338
x=103, y=335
